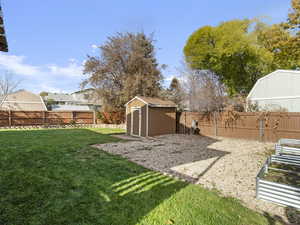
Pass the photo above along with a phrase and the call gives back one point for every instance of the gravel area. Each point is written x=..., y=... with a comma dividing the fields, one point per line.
x=229, y=165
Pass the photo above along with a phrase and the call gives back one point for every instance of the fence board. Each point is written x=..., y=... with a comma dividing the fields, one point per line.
x=28, y=118
x=83, y=115
x=245, y=125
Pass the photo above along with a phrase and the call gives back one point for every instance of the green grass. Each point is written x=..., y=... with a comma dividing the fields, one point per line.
x=54, y=177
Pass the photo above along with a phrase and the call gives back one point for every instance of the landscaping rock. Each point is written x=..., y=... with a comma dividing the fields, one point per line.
x=228, y=165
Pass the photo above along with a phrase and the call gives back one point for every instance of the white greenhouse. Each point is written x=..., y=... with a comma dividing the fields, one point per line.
x=279, y=90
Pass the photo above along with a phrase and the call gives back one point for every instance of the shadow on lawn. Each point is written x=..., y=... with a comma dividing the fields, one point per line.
x=54, y=177
x=136, y=197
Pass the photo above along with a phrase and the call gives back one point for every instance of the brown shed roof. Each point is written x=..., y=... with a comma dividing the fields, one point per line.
x=154, y=102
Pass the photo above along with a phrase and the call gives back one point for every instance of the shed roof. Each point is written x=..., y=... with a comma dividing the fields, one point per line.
x=275, y=73
x=154, y=102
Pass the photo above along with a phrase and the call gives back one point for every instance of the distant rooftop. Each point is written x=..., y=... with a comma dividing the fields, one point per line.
x=60, y=97
x=84, y=90
x=86, y=96
x=70, y=108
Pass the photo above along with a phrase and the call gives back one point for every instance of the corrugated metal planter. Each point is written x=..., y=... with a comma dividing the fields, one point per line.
x=288, y=146
x=283, y=194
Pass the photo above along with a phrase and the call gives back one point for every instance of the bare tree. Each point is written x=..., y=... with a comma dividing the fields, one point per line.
x=175, y=93
x=125, y=68
x=7, y=86
x=204, y=91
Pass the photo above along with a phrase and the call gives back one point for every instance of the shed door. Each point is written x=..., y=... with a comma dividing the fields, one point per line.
x=136, y=122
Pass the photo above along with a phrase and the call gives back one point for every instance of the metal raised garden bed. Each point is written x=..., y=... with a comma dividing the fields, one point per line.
x=288, y=167
x=288, y=146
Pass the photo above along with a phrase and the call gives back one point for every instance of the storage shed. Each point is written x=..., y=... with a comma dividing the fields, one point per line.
x=278, y=90
x=147, y=116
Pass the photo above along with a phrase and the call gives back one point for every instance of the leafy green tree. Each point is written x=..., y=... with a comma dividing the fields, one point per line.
x=49, y=103
x=283, y=40
x=293, y=21
x=293, y=27
x=230, y=51
x=43, y=94
x=125, y=68
x=281, y=44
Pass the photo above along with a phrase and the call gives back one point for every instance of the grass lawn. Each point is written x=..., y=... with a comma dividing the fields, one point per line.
x=54, y=177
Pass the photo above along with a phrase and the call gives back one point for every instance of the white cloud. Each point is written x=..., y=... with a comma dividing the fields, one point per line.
x=50, y=77
x=73, y=69
x=15, y=64
x=47, y=88
x=94, y=48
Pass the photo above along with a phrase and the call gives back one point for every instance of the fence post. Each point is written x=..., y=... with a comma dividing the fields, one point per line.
x=44, y=117
x=184, y=127
x=9, y=118
x=215, y=124
x=73, y=116
x=261, y=130
x=94, y=117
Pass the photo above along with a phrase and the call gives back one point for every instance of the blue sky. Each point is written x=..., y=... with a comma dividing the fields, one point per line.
x=50, y=39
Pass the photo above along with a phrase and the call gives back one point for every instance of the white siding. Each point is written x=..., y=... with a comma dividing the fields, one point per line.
x=280, y=89
x=70, y=108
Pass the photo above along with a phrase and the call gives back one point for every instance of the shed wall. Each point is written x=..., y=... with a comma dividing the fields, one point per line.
x=144, y=121
x=162, y=121
x=287, y=104
x=128, y=123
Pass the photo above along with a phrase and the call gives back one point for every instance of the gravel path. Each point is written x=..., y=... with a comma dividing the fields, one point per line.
x=229, y=165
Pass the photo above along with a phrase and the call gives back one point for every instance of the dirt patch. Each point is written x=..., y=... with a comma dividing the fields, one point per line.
x=292, y=179
x=229, y=165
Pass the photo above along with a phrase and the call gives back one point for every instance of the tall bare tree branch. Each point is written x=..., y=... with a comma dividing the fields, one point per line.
x=204, y=91
x=126, y=67
x=7, y=86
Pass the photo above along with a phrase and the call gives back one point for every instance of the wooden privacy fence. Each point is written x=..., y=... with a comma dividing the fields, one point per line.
x=31, y=118
x=260, y=126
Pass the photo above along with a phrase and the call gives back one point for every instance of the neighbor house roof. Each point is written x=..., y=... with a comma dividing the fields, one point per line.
x=70, y=108
x=3, y=41
x=84, y=90
x=23, y=101
x=80, y=97
x=154, y=102
x=59, y=97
